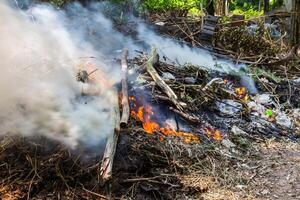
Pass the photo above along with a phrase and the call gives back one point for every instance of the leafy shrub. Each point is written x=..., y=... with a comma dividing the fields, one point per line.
x=58, y=3
x=248, y=13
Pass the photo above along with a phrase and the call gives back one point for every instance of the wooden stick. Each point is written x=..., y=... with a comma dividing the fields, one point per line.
x=111, y=144
x=165, y=98
x=125, y=104
x=158, y=80
x=186, y=116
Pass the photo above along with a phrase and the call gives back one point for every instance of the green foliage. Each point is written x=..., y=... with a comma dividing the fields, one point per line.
x=269, y=113
x=264, y=73
x=168, y=4
x=248, y=13
x=58, y=3
x=247, y=8
x=193, y=6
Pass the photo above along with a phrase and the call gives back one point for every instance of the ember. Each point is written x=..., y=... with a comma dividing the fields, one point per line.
x=213, y=133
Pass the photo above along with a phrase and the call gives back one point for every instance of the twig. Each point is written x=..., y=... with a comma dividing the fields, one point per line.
x=186, y=116
x=94, y=193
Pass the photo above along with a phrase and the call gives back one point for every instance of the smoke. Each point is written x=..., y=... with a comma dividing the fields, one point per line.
x=183, y=54
x=40, y=51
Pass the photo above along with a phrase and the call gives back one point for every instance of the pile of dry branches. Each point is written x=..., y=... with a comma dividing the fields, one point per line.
x=150, y=165
x=245, y=44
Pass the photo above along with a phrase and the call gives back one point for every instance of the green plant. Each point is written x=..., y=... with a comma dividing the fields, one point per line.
x=58, y=3
x=251, y=12
x=157, y=5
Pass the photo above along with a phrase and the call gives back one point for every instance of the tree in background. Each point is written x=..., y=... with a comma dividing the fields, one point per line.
x=210, y=7
x=266, y=6
x=221, y=7
x=295, y=33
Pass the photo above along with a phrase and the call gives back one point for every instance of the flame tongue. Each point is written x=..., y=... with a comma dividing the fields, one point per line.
x=146, y=115
x=241, y=93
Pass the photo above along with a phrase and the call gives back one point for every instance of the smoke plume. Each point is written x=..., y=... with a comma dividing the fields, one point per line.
x=40, y=55
x=42, y=49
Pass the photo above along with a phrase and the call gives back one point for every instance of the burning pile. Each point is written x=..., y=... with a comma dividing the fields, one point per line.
x=174, y=118
x=146, y=115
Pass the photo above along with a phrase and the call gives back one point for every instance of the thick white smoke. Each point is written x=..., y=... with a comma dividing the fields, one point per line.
x=184, y=54
x=41, y=50
x=39, y=91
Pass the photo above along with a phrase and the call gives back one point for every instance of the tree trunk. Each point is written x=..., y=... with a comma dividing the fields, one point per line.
x=266, y=6
x=280, y=2
x=295, y=33
x=221, y=7
x=210, y=7
x=225, y=7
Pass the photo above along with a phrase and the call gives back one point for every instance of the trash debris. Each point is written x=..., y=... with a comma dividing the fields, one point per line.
x=229, y=107
x=283, y=120
x=168, y=76
x=263, y=99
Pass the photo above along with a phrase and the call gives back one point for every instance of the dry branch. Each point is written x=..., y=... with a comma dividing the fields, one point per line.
x=159, y=81
x=186, y=116
x=125, y=104
x=111, y=144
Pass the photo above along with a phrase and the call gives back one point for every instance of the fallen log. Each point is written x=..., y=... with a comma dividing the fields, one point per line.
x=153, y=59
x=125, y=104
x=111, y=144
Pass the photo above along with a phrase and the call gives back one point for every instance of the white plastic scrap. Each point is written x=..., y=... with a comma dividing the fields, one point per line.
x=160, y=23
x=256, y=108
x=263, y=99
x=168, y=76
x=283, y=120
x=229, y=107
x=190, y=80
x=296, y=81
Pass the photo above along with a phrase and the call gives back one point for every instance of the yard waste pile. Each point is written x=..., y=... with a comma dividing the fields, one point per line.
x=179, y=121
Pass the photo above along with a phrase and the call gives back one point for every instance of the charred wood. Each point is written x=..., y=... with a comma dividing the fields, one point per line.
x=111, y=145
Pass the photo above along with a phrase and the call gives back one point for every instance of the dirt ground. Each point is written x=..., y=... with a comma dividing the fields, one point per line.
x=278, y=174
x=274, y=175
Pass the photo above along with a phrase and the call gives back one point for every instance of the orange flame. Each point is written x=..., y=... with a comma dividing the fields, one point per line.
x=213, y=133
x=144, y=114
x=241, y=93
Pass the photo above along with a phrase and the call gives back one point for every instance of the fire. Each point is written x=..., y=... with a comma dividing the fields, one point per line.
x=213, y=133
x=145, y=114
x=241, y=93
